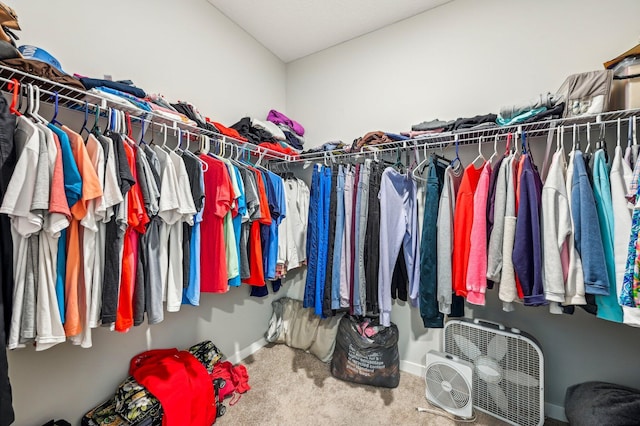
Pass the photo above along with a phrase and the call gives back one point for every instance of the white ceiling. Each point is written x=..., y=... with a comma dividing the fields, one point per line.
x=292, y=29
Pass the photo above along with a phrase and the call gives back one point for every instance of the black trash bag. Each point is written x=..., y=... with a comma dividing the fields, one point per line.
x=366, y=360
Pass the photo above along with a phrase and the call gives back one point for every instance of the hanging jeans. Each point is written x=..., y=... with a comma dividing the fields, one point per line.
x=398, y=227
x=323, y=246
x=362, y=208
x=372, y=241
x=345, y=267
x=354, y=233
x=338, y=240
x=431, y=316
x=313, y=239
x=327, y=300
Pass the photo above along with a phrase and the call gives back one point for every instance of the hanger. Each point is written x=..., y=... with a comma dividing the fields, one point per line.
x=96, y=128
x=55, y=110
x=479, y=160
x=143, y=123
x=35, y=112
x=619, y=127
x=86, y=118
x=630, y=133
x=415, y=173
x=494, y=156
x=14, y=86
x=456, y=163
x=588, y=148
x=576, y=142
x=163, y=130
x=178, y=148
x=507, y=148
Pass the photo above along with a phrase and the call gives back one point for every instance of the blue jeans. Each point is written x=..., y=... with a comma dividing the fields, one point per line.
x=323, y=236
x=337, y=244
x=313, y=238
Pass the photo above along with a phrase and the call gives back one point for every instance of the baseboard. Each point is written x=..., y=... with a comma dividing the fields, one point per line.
x=412, y=368
x=249, y=350
x=554, y=411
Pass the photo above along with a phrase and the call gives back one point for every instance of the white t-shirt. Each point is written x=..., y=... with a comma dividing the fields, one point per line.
x=17, y=204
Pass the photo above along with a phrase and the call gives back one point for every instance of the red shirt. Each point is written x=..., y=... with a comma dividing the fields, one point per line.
x=254, y=247
x=218, y=195
x=137, y=220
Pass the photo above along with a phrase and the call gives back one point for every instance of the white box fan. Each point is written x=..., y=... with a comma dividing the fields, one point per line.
x=448, y=383
x=508, y=379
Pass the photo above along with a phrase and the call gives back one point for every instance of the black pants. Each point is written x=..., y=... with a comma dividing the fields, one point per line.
x=372, y=240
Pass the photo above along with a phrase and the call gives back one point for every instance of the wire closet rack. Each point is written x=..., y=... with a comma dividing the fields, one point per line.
x=77, y=100
x=626, y=118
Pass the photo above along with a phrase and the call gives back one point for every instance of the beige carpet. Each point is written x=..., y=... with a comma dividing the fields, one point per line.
x=291, y=387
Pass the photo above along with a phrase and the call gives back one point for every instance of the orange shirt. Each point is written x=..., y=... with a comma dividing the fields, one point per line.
x=254, y=247
x=57, y=198
x=137, y=220
x=462, y=222
x=75, y=300
x=218, y=191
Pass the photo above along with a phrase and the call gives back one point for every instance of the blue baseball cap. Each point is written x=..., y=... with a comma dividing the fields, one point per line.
x=33, y=52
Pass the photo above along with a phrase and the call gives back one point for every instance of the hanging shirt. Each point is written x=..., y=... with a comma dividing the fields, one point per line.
x=253, y=214
x=556, y=231
x=75, y=305
x=231, y=254
x=496, y=235
x=91, y=253
x=462, y=224
x=587, y=236
x=507, y=292
x=574, y=290
x=237, y=221
x=218, y=199
x=254, y=249
x=527, y=251
x=49, y=328
x=73, y=192
x=608, y=306
x=191, y=294
x=279, y=213
x=620, y=176
x=137, y=220
x=476, y=282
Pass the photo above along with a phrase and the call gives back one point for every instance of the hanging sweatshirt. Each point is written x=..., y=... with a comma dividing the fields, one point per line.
x=527, y=250
x=462, y=223
x=445, y=238
x=587, y=235
x=556, y=230
x=574, y=289
x=608, y=307
x=494, y=253
x=508, y=292
x=477, y=267
x=620, y=178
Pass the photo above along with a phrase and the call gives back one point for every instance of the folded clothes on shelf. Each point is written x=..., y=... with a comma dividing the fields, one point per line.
x=90, y=83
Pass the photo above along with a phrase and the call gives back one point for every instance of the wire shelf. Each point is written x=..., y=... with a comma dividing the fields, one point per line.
x=75, y=99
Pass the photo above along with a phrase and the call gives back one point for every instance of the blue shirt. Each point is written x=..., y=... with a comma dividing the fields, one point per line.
x=191, y=294
x=73, y=192
x=608, y=306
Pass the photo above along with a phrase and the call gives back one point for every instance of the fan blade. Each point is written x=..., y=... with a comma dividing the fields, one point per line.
x=467, y=347
x=521, y=379
x=497, y=347
x=499, y=397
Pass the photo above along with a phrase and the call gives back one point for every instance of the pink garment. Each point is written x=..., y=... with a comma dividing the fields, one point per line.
x=477, y=266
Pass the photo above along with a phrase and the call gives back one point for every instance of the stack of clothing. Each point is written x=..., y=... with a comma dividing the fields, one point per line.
x=459, y=125
x=544, y=107
x=192, y=112
x=292, y=131
x=265, y=134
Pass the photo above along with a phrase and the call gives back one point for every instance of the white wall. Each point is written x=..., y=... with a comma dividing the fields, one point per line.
x=465, y=58
x=185, y=50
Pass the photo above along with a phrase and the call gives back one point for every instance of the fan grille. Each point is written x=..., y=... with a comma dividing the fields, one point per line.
x=455, y=394
x=515, y=398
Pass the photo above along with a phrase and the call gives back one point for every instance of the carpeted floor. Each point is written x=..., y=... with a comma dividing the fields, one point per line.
x=291, y=387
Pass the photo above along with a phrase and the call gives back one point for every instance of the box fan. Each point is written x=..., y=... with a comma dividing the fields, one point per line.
x=448, y=383
x=508, y=379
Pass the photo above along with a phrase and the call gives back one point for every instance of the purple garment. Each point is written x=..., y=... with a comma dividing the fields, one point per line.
x=279, y=118
x=527, y=251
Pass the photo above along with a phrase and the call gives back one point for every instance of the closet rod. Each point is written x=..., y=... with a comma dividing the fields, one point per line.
x=70, y=94
x=443, y=140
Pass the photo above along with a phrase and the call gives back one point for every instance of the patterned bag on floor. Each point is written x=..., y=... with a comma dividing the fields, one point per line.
x=366, y=353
